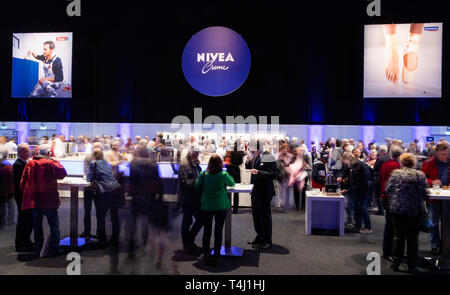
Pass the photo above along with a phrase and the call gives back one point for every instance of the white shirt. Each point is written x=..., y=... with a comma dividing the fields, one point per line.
x=11, y=147
x=60, y=148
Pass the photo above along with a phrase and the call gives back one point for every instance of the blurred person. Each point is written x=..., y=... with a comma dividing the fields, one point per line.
x=370, y=161
x=114, y=158
x=6, y=189
x=167, y=152
x=357, y=154
x=214, y=205
x=87, y=145
x=351, y=143
x=358, y=189
x=142, y=144
x=190, y=200
x=406, y=190
x=427, y=150
x=320, y=171
x=313, y=152
x=362, y=149
x=263, y=172
x=372, y=158
x=138, y=138
x=385, y=172
x=437, y=172
x=106, y=142
x=129, y=146
x=60, y=147
x=382, y=157
x=303, y=145
x=11, y=146
x=40, y=193
x=335, y=159
x=388, y=143
x=222, y=149
x=80, y=146
x=282, y=192
x=146, y=204
x=24, y=226
x=3, y=140
x=234, y=167
x=44, y=140
x=87, y=196
x=107, y=198
x=297, y=175
x=413, y=149
x=294, y=141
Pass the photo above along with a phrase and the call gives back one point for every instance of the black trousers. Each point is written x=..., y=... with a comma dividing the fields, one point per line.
x=24, y=226
x=102, y=205
x=219, y=220
x=406, y=228
x=377, y=197
x=299, y=196
x=87, y=201
x=189, y=227
x=297, y=200
x=262, y=218
x=388, y=236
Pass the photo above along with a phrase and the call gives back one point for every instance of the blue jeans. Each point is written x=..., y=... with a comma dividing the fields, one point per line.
x=435, y=211
x=361, y=213
x=350, y=208
x=53, y=222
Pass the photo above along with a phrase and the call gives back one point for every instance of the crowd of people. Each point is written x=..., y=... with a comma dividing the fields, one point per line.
x=389, y=178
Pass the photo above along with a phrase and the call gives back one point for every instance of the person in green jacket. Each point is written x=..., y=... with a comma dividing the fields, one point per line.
x=214, y=204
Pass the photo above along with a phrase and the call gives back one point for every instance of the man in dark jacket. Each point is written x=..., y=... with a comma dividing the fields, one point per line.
x=190, y=200
x=358, y=188
x=263, y=172
x=24, y=225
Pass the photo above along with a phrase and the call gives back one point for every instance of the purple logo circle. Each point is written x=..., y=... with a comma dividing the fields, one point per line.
x=216, y=61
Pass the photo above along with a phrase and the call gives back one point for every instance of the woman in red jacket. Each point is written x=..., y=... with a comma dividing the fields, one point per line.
x=40, y=193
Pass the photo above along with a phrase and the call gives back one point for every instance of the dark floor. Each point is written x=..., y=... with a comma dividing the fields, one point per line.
x=294, y=253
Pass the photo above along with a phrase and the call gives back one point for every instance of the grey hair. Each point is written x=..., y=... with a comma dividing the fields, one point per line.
x=396, y=152
x=44, y=149
x=383, y=148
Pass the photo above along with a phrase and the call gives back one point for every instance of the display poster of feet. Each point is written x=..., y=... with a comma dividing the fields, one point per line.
x=403, y=60
x=41, y=65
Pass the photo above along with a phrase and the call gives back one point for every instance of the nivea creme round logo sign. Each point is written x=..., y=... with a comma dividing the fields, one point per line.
x=216, y=61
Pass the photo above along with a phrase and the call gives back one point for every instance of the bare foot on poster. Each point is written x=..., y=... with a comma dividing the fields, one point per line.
x=392, y=55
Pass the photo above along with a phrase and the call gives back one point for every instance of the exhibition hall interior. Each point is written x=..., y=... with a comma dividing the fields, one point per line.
x=225, y=138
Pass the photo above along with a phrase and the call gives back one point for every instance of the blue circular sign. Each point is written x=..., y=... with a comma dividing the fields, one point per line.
x=216, y=61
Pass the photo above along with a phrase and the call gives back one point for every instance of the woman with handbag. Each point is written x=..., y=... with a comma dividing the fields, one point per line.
x=215, y=202
x=106, y=193
x=406, y=189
